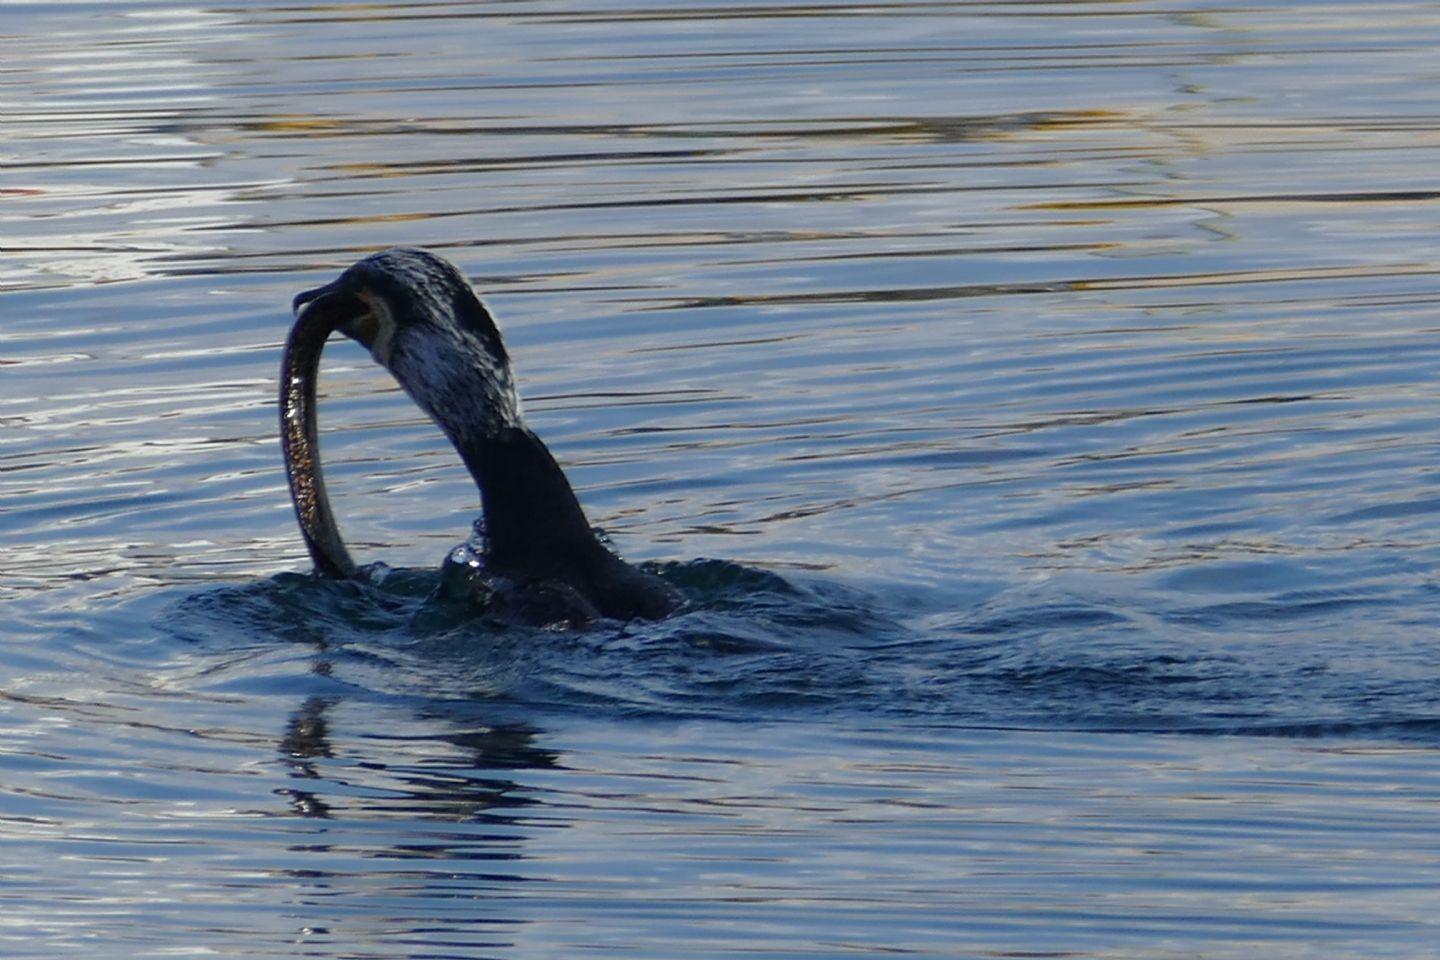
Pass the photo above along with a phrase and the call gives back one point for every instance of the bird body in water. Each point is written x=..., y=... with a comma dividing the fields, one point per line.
x=421, y=320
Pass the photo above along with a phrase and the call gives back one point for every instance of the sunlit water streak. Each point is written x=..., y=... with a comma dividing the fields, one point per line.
x=1052, y=385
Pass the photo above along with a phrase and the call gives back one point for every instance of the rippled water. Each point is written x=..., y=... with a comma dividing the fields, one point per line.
x=1035, y=400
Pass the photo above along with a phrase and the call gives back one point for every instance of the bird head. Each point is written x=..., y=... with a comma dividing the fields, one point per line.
x=420, y=320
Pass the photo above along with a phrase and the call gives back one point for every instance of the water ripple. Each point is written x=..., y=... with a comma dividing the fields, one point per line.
x=1055, y=383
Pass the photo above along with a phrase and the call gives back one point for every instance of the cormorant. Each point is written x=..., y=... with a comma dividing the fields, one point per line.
x=421, y=320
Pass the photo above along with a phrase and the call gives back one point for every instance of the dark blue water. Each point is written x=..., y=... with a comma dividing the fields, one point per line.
x=1034, y=401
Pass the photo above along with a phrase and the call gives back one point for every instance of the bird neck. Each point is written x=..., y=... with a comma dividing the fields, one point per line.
x=534, y=525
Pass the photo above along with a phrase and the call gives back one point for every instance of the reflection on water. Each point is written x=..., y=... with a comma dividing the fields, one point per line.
x=1051, y=380
x=399, y=834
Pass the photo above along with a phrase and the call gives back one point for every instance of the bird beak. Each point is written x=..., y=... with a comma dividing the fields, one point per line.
x=358, y=314
x=317, y=315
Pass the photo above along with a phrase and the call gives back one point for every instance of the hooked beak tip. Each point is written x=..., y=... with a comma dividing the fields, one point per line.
x=337, y=309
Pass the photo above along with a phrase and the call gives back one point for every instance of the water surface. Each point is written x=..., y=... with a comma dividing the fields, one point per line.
x=1035, y=401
